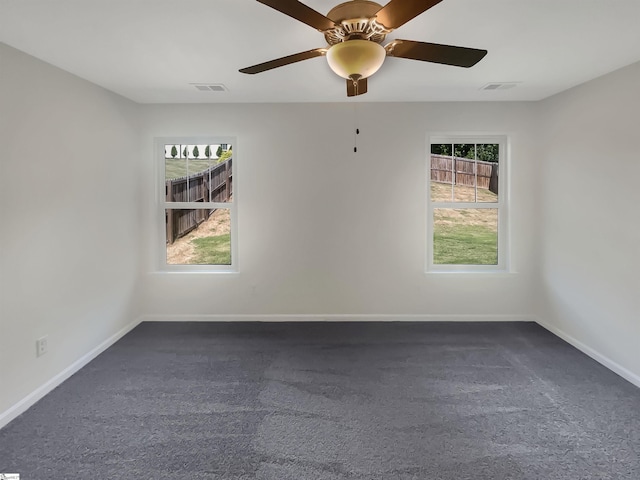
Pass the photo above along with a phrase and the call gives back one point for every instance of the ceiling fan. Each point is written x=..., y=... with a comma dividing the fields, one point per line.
x=355, y=30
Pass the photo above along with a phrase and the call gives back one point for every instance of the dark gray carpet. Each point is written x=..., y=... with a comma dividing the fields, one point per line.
x=325, y=401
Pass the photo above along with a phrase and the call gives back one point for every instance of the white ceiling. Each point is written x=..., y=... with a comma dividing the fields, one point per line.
x=152, y=50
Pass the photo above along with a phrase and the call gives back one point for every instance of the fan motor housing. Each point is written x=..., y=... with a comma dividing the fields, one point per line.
x=356, y=20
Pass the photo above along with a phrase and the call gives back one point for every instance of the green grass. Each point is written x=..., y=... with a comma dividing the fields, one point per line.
x=212, y=250
x=441, y=192
x=465, y=245
x=177, y=167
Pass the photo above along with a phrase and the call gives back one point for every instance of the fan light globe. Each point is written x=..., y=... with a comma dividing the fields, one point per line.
x=356, y=59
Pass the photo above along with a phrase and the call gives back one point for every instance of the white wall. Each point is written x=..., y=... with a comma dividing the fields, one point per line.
x=69, y=211
x=324, y=231
x=590, y=225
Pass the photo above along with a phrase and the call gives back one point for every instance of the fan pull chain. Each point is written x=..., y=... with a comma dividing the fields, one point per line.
x=357, y=130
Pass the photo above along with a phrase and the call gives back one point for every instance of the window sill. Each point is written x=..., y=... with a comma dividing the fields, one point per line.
x=198, y=271
x=471, y=271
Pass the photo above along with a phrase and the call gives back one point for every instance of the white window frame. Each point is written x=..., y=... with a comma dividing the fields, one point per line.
x=501, y=205
x=162, y=204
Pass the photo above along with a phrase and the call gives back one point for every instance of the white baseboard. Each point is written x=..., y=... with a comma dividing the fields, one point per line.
x=335, y=318
x=597, y=356
x=30, y=400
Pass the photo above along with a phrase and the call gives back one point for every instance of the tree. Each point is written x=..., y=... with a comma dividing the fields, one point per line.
x=488, y=152
x=207, y=151
x=196, y=152
x=225, y=156
x=461, y=150
x=219, y=151
x=184, y=152
x=174, y=152
x=441, y=149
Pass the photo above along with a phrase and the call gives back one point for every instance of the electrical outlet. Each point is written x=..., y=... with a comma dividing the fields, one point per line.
x=42, y=345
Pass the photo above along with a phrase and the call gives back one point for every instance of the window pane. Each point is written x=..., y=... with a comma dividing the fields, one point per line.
x=465, y=236
x=441, y=173
x=459, y=175
x=198, y=237
x=464, y=172
x=198, y=173
x=488, y=158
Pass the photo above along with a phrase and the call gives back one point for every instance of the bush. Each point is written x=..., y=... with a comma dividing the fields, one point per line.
x=225, y=156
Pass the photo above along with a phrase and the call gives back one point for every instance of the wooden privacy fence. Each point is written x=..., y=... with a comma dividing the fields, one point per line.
x=211, y=185
x=462, y=171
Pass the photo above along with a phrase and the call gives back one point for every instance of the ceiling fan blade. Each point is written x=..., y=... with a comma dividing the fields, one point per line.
x=358, y=88
x=301, y=12
x=281, y=62
x=398, y=12
x=436, y=53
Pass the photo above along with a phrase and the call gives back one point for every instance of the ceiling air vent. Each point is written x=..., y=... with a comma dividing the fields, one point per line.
x=210, y=87
x=499, y=86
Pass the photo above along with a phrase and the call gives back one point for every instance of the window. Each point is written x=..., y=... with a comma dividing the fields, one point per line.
x=467, y=204
x=197, y=204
